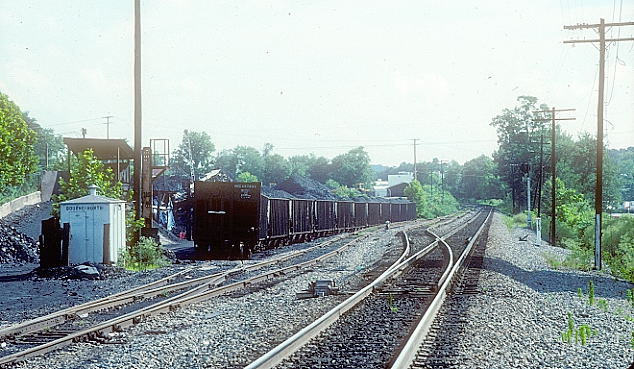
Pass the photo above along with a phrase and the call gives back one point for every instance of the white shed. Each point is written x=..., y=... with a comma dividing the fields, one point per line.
x=97, y=228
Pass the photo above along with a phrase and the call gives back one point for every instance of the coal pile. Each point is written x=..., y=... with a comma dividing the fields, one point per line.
x=306, y=188
x=16, y=247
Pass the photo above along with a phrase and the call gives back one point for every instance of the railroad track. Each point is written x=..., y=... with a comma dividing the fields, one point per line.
x=429, y=342
x=369, y=327
x=99, y=320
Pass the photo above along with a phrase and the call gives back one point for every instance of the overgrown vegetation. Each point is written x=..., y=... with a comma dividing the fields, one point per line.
x=430, y=204
x=17, y=157
x=146, y=254
x=87, y=170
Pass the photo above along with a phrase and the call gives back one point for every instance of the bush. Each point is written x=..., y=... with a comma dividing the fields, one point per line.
x=17, y=157
x=146, y=254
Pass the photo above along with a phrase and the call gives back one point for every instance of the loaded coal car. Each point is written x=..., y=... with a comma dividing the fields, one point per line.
x=232, y=219
x=226, y=219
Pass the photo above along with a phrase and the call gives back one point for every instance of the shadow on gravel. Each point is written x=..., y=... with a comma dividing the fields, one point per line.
x=558, y=281
x=17, y=277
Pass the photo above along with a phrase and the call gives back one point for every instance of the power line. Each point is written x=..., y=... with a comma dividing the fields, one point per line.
x=71, y=122
x=598, y=200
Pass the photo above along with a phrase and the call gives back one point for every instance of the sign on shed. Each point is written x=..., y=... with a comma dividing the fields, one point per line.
x=97, y=228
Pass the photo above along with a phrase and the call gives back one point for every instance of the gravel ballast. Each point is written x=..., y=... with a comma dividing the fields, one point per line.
x=517, y=318
x=228, y=331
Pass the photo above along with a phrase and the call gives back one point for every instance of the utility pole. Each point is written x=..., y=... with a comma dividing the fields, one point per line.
x=553, y=166
x=442, y=184
x=108, y=126
x=538, y=221
x=415, y=139
x=137, y=110
x=598, y=196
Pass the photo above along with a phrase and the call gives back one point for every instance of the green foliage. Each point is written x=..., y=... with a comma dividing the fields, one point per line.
x=480, y=180
x=428, y=204
x=629, y=294
x=391, y=304
x=602, y=304
x=342, y=191
x=624, y=163
x=276, y=168
x=580, y=335
x=246, y=177
x=352, y=168
x=590, y=292
x=87, y=170
x=146, y=254
x=580, y=257
x=516, y=129
x=194, y=154
x=47, y=143
x=30, y=185
x=17, y=158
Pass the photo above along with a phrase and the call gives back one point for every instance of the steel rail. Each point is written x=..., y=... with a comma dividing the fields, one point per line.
x=60, y=316
x=408, y=353
x=142, y=292
x=299, y=339
x=197, y=294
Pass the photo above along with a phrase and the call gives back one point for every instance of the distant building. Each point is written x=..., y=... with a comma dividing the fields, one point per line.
x=400, y=177
x=380, y=188
x=394, y=186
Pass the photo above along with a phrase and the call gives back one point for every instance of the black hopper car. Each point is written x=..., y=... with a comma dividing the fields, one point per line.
x=233, y=219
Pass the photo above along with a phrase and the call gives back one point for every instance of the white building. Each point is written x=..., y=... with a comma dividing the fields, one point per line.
x=382, y=188
x=97, y=228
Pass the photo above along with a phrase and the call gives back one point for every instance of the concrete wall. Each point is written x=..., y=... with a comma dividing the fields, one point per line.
x=19, y=203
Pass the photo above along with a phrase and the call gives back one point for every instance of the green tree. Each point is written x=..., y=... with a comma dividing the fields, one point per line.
x=86, y=170
x=518, y=130
x=194, y=155
x=480, y=180
x=430, y=205
x=248, y=159
x=17, y=158
x=247, y=177
x=47, y=143
x=352, y=168
x=276, y=169
x=320, y=169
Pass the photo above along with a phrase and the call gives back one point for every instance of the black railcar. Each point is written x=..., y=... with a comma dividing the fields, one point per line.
x=231, y=219
x=226, y=217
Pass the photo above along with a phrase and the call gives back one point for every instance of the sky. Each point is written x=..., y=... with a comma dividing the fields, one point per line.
x=316, y=77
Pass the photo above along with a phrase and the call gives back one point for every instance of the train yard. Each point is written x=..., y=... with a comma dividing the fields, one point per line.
x=231, y=314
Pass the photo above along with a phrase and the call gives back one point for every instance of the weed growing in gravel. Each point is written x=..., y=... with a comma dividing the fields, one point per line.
x=632, y=340
x=603, y=304
x=581, y=334
x=391, y=304
x=630, y=296
x=591, y=292
x=552, y=260
x=580, y=293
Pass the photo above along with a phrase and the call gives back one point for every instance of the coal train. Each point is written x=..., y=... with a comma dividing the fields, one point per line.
x=234, y=219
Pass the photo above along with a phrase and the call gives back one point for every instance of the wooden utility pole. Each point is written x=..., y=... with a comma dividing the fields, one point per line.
x=137, y=110
x=108, y=126
x=553, y=166
x=415, y=139
x=598, y=195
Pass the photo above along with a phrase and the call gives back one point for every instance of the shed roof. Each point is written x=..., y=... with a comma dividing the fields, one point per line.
x=104, y=149
x=92, y=199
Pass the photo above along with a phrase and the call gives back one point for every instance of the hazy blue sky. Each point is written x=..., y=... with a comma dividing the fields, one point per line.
x=315, y=76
